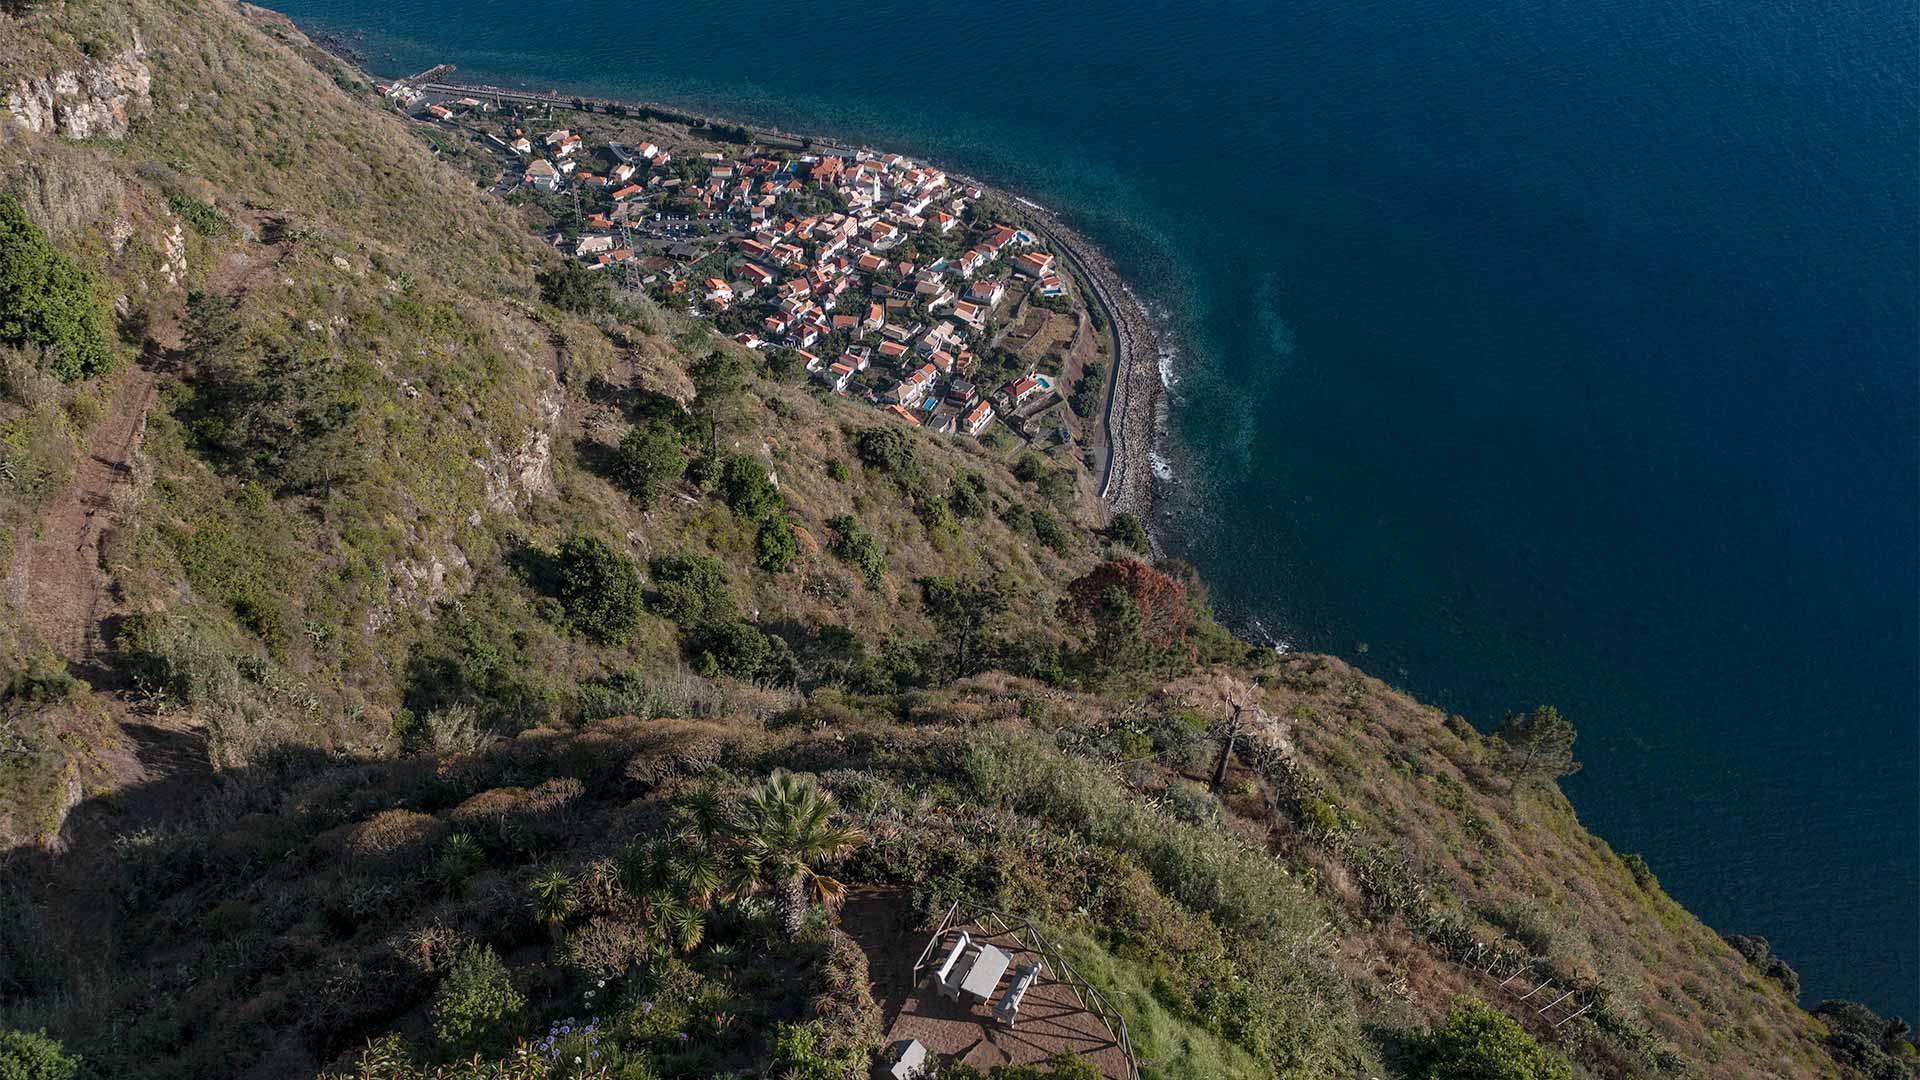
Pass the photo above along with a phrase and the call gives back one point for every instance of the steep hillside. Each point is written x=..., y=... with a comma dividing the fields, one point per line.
x=402, y=640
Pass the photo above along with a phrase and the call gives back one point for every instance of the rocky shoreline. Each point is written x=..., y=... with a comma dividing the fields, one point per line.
x=1133, y=386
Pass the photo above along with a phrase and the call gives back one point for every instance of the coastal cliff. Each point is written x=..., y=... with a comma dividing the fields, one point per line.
x=411, y=639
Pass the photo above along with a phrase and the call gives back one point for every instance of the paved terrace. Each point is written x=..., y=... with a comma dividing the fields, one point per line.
x=1060, y=1012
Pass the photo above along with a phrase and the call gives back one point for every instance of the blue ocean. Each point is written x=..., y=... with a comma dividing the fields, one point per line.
x=1523, y=352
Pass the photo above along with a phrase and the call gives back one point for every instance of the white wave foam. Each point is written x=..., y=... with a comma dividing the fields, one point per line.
x=1162, y=468
x=1279, y=645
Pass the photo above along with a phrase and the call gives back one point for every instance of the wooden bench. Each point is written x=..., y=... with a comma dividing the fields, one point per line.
x=1009, y=1006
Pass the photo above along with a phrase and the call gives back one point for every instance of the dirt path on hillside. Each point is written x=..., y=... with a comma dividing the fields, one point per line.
x=57, y=583
x=67, y=595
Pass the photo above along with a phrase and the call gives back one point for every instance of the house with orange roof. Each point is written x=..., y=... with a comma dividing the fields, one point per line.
x=904, y=414
x=998, y=239
x=1033, y=263
x=1016, y=393
x=977, y=418
x=986, y=293
x=836, y=375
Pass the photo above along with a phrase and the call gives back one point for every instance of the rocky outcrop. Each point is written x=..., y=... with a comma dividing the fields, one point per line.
x=516, y=476
x=96, y=100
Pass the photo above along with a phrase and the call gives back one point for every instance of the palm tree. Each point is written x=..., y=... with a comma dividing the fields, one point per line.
x=783, y=832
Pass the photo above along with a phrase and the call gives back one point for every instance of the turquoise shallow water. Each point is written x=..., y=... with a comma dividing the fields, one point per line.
x=1529, y=352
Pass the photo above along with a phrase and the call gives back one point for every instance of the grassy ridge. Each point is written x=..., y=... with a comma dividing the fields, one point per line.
x=405, y=650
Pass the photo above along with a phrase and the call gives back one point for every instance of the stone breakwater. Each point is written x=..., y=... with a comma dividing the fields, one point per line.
x=1133, y=388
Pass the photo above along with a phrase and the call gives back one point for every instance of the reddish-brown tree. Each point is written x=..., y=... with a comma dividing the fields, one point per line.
x=1160, y=600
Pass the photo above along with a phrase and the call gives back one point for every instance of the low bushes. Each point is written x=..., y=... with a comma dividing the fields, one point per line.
x=853, y=544
x=33, y=1056
x=48, y=303
x=1478, y=1042
x=476, y=1006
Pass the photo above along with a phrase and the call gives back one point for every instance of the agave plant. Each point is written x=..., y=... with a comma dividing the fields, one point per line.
x=783, y=832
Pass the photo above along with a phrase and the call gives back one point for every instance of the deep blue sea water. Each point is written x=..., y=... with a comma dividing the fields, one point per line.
x=1529, y=352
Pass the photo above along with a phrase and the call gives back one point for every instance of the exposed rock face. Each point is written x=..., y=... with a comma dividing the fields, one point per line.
x=97, y=100
x=514, y=477
x=422, y=582
x=175, y=255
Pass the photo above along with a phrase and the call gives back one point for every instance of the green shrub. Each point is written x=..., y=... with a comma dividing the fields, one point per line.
x=572, y=287
x=855, y=545
x=48, y=303
x=459, y=858
x=1030, y=468
x=774, y=545
x=1126, y=530
x=476, y=1006
x=747, y=489
x=649, y=459
x=704, y=471
x=599, y=588
x=740, y=650
x=968, y=497
x=1642, y=873
x=890, y=450
x=32, y=1056
x=201, y=216
x=806, y=1052
x=1048, y=532
x=938, y=516
x=1061, y=1066
x=692, y=590
x=1479, y=1042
